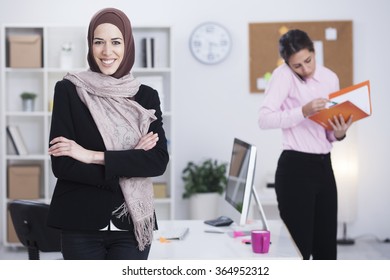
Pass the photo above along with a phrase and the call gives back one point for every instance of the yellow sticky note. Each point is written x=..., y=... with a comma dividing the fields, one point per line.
x=283, y=30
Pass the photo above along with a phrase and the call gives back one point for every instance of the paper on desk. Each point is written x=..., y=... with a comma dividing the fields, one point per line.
x=173, y=233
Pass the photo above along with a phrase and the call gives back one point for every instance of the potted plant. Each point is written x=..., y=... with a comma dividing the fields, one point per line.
x=28, y=99
x=203, y=185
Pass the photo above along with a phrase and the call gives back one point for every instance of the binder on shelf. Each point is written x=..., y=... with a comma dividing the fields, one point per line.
x=353, y=100
x=152, y=52
x=148, y=52
x=17, y=139
x=144, y=55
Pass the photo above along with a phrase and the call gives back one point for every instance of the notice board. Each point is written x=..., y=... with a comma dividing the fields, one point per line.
x=332, y=42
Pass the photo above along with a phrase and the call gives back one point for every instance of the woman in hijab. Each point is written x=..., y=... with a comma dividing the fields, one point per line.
x=106, y=141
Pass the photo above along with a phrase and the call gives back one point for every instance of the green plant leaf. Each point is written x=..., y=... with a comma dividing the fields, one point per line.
x=28, y=95
x=208, y=176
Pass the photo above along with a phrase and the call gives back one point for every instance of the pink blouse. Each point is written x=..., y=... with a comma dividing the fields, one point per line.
x=282, y=108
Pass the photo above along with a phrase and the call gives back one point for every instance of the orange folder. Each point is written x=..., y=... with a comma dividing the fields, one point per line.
x=354, y=100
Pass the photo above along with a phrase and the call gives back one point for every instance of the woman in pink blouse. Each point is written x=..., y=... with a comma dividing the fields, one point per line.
x=304, y=181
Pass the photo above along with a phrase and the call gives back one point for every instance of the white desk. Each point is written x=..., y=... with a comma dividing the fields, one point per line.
x=198, y=244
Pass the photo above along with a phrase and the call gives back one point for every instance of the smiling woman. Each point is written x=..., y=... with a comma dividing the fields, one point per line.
x=106, y=142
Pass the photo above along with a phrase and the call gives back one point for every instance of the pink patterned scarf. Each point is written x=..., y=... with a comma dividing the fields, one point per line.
x=121, y=122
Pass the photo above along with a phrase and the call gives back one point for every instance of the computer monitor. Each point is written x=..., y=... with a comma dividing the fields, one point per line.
x=240, y=184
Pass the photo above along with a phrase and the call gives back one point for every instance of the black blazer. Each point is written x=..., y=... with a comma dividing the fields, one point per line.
x=86, y=194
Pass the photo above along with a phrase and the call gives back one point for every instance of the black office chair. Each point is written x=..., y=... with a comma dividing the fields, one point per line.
x=29, y=219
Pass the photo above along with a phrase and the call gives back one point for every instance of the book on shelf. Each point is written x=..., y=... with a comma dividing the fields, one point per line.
x=152, y=52
x=148, y=45
x=354, y=100
x=17, y=140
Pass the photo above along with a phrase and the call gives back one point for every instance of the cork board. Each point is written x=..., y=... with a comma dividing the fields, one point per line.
x=332, y=42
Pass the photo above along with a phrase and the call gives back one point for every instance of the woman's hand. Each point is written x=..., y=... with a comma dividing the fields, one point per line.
x=314, y=106
x=339, y=126
x=147, y=141
x=62, y=146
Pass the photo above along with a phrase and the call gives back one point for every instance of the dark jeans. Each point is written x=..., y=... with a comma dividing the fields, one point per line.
x=101, y=245
x=307, y=199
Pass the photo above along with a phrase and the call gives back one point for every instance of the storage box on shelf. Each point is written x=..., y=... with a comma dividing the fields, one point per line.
x=25, y=51
x=58, y=50
x=24, y=182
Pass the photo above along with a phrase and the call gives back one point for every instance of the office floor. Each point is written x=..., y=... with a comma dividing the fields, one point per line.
x=363, y=249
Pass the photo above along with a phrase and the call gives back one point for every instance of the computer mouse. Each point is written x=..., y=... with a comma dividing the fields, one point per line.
x=220, y=221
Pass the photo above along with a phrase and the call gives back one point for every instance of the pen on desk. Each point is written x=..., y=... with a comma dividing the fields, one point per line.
x=214, y=231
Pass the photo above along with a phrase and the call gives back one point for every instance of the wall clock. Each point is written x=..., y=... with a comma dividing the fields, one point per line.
x=210, y=43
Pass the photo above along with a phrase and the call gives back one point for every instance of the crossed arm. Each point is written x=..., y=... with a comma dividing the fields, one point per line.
x=62, y=146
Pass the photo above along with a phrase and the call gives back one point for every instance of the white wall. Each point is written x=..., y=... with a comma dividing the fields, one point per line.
x=213, y=103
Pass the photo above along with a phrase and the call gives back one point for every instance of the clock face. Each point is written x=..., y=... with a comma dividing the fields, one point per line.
x=210, y=43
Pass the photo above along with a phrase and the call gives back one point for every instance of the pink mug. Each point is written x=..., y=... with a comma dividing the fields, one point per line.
x=260, y=241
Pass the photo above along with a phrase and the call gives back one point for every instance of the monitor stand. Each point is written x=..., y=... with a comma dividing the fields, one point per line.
x=244, y=230
x=260, y=208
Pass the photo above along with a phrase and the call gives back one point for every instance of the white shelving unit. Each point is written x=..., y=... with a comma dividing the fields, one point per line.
x=35, y=125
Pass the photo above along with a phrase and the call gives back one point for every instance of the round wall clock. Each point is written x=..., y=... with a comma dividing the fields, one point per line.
x=210, y=43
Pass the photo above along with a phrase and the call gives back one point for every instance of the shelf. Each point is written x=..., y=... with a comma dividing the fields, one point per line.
x=27, y=157
x=24, y=70
x=150, y=70
x=163, y=200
